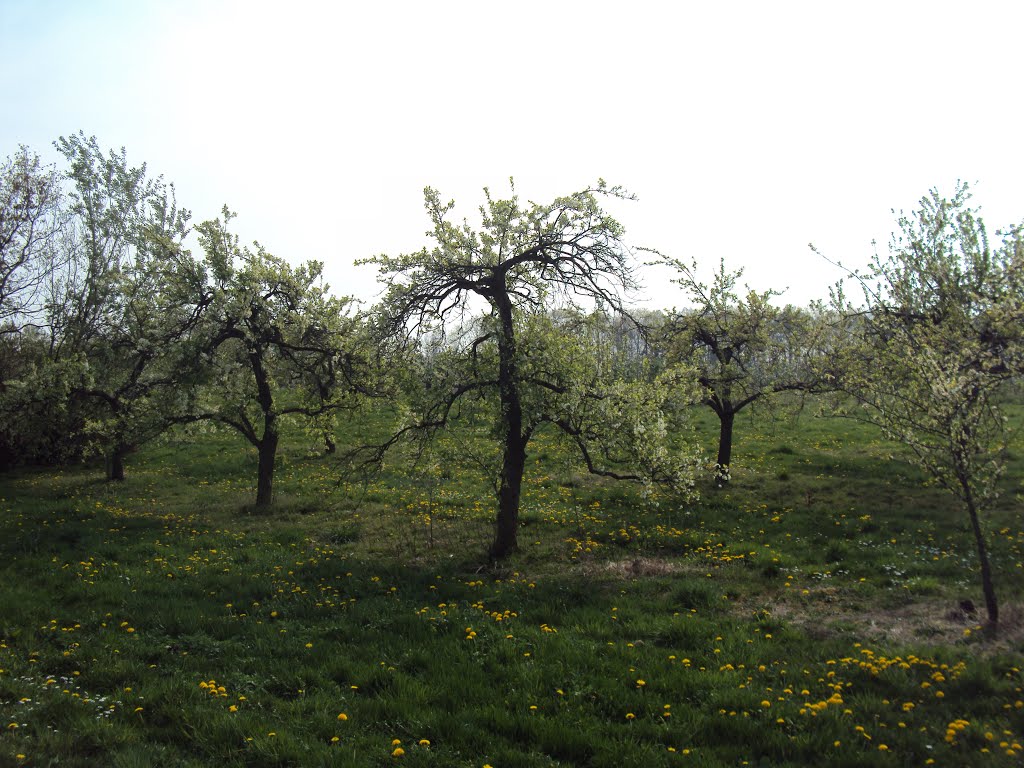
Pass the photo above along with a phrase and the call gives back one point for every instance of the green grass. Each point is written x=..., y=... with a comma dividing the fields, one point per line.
x=808, y=614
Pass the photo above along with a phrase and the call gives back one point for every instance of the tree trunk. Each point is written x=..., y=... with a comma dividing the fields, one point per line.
x=987, y=587
x=115, y=464
x=265, y=473
x=507, y=524
x=267, y=445
x=514, y=454
x=726, y=419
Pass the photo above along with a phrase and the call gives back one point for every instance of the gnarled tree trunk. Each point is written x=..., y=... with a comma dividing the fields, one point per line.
x=514, y=449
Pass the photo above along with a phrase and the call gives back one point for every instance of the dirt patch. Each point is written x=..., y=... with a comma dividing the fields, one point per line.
x=932, y=622
x=639, y=567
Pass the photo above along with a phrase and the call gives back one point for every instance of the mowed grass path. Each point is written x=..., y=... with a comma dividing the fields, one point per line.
x=810, y=614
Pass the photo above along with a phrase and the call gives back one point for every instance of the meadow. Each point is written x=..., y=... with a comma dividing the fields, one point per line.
x=817, y=611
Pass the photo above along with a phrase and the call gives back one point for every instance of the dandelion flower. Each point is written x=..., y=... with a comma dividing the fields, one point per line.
x=343, y=717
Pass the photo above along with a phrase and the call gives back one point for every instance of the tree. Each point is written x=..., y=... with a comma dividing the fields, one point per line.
x=745, y=348
x=507, y=277
x=111, y=296
x=276, y=340
x=129, y=297
x=940, y=333
x=110, y=207
x=30, y=207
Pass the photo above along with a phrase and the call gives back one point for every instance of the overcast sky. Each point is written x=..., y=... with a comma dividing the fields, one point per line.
x=746, y=129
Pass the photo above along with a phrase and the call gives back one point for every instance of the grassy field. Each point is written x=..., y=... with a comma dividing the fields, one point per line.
x=813, y=613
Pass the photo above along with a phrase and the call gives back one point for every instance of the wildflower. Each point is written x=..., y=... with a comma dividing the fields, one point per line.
x=424, y=742
x=398, y=752
x=343, y=717
x=395, y=742
x=629, y=716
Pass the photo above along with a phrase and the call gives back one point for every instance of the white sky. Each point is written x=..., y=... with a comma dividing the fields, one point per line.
x=746, y=129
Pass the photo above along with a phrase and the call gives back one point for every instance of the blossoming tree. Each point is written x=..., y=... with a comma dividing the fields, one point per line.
x=941, y=332
x=489, y=296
